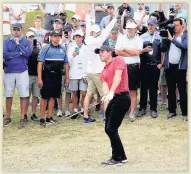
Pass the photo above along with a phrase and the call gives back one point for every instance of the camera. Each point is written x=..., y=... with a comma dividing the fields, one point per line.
x=66, y=34
x=128, y=9
x=148, y=44
x=34, y=42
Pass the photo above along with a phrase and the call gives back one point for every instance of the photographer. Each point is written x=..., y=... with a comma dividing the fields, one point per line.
x=32, y=69
x=176, y=64
x=151, y=63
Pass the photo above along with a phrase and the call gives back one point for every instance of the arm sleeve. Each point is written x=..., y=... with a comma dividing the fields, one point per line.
x=26, y=50
x=119, y=64
x=7, y=54
x=182, y=45
x=70, y=56
x=42, y=54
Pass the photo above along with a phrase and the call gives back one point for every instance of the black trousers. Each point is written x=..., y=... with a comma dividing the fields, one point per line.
x=149, y=75
x=114, y=115
x=176, y=78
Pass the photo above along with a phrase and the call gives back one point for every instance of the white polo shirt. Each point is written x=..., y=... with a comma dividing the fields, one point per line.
x=175, y=52
x=124, y=42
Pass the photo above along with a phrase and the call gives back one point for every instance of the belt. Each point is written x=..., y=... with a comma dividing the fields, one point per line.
x=53, y=14
x=134, y=64
x=151, y=63
x=122, y=93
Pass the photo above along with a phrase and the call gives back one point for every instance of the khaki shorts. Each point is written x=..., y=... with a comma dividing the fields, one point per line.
x=94, y=83
x=162, y=78
x=33, y=86
x=18, y=80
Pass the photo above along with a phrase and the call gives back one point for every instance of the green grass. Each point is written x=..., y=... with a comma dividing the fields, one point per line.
x=151, y=144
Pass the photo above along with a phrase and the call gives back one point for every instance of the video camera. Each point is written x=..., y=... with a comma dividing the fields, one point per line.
x=168, y=25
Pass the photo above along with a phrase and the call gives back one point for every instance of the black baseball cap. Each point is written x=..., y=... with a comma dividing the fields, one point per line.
x=109, y=5
x=103, y=48
x=54, y=33
x=17, y=25
x=63, y=13
x=59, y=20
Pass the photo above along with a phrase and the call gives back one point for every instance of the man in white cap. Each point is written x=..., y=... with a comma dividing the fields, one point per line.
x=94, y=64
x=78, y=70
x=129, y=46
x=76, y=21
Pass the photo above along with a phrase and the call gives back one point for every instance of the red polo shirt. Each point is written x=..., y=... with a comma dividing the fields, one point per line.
x=108, y=73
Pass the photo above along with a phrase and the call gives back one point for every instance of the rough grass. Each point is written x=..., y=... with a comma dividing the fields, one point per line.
x=151, y=145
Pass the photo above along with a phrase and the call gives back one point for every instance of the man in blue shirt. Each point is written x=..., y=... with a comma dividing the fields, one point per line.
x=51, y=61
x=16, y=51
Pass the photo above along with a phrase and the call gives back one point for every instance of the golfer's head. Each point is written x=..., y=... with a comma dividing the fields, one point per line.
x=105, y=52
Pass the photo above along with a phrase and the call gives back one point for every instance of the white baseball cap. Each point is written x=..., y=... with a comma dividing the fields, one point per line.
x=76, y=17
x=30, y=33
x=95, y=28
x=79, y=32
x=131, y=24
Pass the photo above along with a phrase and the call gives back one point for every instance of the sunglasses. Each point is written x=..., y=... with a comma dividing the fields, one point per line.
x=74, y=20
x=16, y=29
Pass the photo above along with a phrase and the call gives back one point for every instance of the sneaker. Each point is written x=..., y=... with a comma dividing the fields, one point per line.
x=88, y=120
x=7, y=122
x=141, y=112
x=132, y=116
x=178, y=102
x=101, y=114
x=170, y=115
x=154, y=114
x=34, y=117
x=67, y=113
x=25, y=118
x=52, y=120
x=22, y=123
x=112, y=162
x=59, y=113
x=159, y=98
x=185, y=118
x=124, y=160
x=163, y=107
x=42, y=122
x=98, y=107
x=75, y=114
x=104, y=121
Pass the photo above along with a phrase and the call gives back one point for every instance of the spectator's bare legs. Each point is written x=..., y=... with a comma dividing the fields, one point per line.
x=59, y=100
x=67, y=100
x=82, y=98
x=23, y=103
x=50, y=107
x=86, y=104
x=74, y=99
x=9, y=101
x=43, y=104
x=164, y=91
x=133, y=94
x=34, y=104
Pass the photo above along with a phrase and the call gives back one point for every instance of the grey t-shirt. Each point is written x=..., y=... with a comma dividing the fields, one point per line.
x=99, y=14
x=40, y=35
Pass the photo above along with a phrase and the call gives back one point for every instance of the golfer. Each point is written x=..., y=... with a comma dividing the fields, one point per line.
x=116, y=100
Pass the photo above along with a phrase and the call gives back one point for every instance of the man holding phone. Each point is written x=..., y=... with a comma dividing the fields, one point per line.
x=151, y=62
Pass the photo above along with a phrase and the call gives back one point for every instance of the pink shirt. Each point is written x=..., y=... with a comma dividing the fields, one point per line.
x=108, y=73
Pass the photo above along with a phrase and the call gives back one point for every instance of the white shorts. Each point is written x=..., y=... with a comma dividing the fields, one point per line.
x=77, y=84
x=18, y=80
x=33, y=86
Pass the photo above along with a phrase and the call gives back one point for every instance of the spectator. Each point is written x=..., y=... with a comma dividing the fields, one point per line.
x=51, y=13
x=65, y=42
x=181, y=12
x=176, y=64
x=93, y=72
x=16, y=51
x=100, y=12
x=57, y=27
x=151, y=63
x=32, y=69
x=39, y=31
x=6, y=20
x=111, y=14
x=78, y=64
x=127, y=8
x=18, y=13
x=129, y=46
x=52, y=57
x=63, y=17
x=76, y=20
